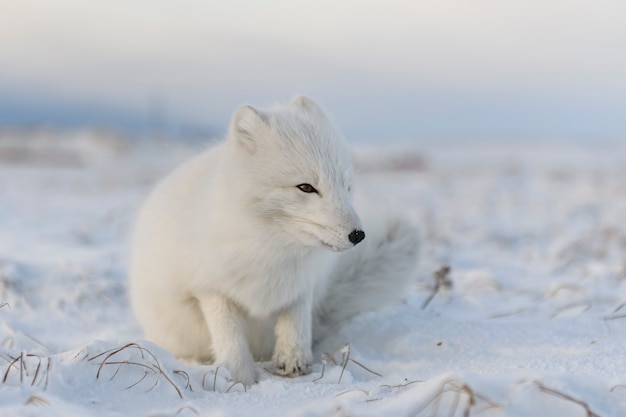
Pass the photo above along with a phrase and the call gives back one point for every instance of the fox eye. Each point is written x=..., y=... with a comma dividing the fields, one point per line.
x=306, y=188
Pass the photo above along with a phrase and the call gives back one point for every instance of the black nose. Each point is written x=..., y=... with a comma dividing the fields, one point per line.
x=356, y=236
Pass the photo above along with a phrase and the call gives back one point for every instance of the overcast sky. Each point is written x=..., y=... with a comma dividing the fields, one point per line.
x=387, y=69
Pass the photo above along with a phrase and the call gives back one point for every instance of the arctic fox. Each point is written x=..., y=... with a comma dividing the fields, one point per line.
x=238, y=255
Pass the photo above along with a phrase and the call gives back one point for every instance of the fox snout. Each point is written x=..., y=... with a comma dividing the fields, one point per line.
x=356, y=236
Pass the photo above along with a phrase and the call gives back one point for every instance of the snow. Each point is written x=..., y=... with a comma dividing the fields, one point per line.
x=529, y=320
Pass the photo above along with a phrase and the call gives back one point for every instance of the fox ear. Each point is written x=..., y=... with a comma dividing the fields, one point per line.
x=245, y=127
x=306, y=104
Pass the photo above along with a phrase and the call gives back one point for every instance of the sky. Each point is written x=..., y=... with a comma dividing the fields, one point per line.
x=385, y=70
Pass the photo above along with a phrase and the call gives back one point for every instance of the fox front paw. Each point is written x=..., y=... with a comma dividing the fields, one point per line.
x=246, y=376
x=240, y=370
x=293, y=363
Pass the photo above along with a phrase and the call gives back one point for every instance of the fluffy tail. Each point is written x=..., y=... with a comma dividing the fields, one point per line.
x=372, y=275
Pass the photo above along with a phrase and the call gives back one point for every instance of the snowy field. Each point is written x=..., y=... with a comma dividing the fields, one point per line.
x=518, y=309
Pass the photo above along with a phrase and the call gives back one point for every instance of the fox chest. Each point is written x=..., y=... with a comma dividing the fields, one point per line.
x=264, y=286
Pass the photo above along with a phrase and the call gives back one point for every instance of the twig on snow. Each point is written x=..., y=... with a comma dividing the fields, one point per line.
x=155, y=368
x=345, y=358
x=566, y=397
x=442, y=281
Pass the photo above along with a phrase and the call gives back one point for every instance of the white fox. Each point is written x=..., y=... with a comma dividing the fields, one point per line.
x=239, y=252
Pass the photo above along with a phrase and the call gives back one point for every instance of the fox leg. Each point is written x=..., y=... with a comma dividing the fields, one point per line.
x=226, y=323
x=292, y=353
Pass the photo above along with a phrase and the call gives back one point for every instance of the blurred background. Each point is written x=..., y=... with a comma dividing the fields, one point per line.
x=388, y=71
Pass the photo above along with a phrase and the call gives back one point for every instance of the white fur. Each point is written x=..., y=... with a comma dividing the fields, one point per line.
x=227, y=247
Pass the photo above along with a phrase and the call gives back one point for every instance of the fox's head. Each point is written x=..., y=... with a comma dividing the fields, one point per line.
x=292, y=169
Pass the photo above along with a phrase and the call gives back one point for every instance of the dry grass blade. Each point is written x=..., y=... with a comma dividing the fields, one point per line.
x=188, y=407
x=399, y=386
x=19, y=364
x=619, y=392
x=583, y=305
x=455, y=404
x=353, y=390
x=120, y=363
x=37, y=401
x=436, y=404
x=204, y=380
x=567, y=397
x=365, y=367
x=180, y=394
x=368, y=393
x=22, y=367
x=145, y=353
x=488, y=403
x=112, y=352
x=186, y=376
x=36, y=370
x=330, y=358
x=214, y=379
x=117, y=370
x=45, y=386
x=618, y=308
x=442, y=281
x=156, y=382
x=5, y=358
x=235, y=384
x=459, y=391
x=345, y=357
x=145, y=374
x=471, y=399
x=615, y=317
x=324, y=362
x=12, y=364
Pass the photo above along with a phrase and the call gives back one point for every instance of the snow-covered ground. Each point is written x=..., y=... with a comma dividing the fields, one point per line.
x=529, y=320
